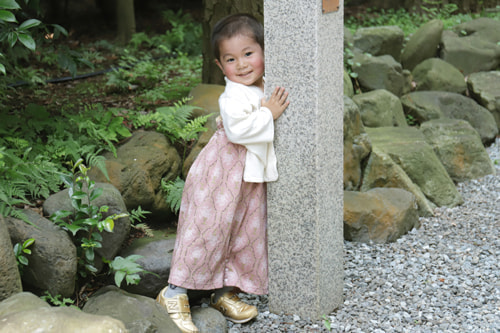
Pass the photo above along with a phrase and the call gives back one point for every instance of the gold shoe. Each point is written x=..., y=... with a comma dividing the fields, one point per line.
x=233, y=308
x=179, y=311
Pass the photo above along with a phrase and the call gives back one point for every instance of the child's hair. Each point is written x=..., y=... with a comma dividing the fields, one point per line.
x=235, y=24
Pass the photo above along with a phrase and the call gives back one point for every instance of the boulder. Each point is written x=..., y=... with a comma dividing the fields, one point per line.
x=459, y=148
x=408, y=148
x=144, y=314
x=437, y=74
x=380, y=108
x=423, y=44
x=484, y=88
x=111, y=241
x=380, y=41
x=10, y=280
x=380, y=215
x=357, y=146
x=485, y=28
x=206, y=98
x=52, y=262
x=348, y=87
x=348, y=38
x=469, y=54
x=382, y=171
x=381, y=72
x=25, y=312
x=428, y=105
x=141, y=162
x=156, y=258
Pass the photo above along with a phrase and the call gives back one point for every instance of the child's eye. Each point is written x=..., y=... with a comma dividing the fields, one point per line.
x=248, y=54
x=230, y=60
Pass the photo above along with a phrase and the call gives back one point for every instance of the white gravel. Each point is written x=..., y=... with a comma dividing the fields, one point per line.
x=442, y=277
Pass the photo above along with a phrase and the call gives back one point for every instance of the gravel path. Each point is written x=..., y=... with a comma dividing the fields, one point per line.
x=443, y=277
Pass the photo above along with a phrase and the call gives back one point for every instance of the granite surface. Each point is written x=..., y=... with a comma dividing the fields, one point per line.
x=304, y=50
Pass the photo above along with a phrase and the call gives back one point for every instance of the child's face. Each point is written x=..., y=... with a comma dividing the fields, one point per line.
x=242, y=60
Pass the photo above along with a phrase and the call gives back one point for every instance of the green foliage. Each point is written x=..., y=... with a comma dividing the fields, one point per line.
x=158, y=80
x=327, y=323
x=20, y=250
x=17, y=38
x=173, y=192
x=137, y=215
x=86, y=221
x=57, y=300
x=128, y=269
x=409, y=22
x=185, y=35
x=173, y=121
x=35, y=148
x=435, y=9
x=100, y=125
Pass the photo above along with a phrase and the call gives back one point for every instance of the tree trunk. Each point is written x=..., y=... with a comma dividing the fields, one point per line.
x=125, y=19
x=214, y=10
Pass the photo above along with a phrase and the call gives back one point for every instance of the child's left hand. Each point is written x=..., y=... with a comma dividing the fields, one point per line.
x=277, y=103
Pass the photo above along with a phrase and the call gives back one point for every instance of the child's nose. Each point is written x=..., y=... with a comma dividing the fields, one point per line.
x=242, y=64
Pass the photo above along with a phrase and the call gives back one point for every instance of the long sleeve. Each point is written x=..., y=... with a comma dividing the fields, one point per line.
x=249, y=124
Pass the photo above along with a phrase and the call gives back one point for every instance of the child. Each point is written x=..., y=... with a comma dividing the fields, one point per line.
x=221, y=237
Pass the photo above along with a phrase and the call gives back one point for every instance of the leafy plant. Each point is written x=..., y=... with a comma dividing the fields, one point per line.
x=137, y=215
x=20, y=250
x=173, y=192
x=127, y=268
x=327, y=323
x=173, y=121
x=57, y=300
x=86, y=221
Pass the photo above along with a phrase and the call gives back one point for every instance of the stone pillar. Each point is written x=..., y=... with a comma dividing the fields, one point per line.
x=304, y=53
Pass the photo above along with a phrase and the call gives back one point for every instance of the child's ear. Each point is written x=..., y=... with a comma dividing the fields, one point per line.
x=220, y=66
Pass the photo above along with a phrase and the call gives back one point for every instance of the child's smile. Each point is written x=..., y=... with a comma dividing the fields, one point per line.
x=242, y=60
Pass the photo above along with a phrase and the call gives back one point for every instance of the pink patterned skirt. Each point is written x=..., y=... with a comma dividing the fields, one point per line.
x=221, y=236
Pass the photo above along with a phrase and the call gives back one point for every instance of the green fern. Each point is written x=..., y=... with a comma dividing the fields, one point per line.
x=173, y=121
x=173, y=192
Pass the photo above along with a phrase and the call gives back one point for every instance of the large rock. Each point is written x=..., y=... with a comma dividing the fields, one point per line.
x=485, y=28
x=10, y=280
x=484, y=88
x=408, y=148
x=381, y=72
x=428, y=105
x=25, y=312
x=357, y=146
x=380, y=215
x=156, y=258
x=136, y=172
x=469, y=54
x=111, y=241
x=380, y=108
x=459, y=148
x=437, y=74
x=144, y=314
x=380, y=41
x=348, y=87
x=382, y=171
x=206, y=98
x=52, y=262
x=423, y=44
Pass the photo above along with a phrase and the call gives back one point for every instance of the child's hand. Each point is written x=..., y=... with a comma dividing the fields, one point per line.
x=277, y=103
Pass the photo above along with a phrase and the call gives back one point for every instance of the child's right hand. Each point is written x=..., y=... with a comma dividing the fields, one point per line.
x=277, y=103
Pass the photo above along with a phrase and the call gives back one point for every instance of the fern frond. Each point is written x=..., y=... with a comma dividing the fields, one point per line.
x=193, y=127
x=148, y=232
x=173, y=191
